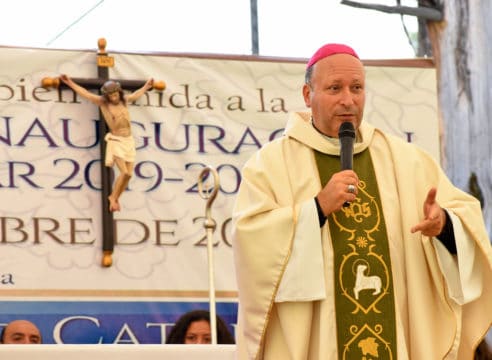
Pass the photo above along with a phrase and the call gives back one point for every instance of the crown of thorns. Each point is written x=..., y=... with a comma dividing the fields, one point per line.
x=110, y=87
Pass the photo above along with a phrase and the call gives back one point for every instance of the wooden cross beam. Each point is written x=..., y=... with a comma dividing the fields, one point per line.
x=103, y=63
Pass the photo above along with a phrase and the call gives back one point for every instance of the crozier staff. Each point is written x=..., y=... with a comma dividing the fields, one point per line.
x=120, y=144
x=404, y=271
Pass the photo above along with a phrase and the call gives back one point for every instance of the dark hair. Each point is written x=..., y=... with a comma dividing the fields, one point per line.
x=308, y=75
x=483, y=351
x=2, y=334
x=110, y=87
x=178, y=332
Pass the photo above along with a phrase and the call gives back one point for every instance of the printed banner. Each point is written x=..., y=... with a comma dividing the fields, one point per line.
x=214, y=112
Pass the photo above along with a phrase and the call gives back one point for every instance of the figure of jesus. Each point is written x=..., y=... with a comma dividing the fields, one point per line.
x=120, y=144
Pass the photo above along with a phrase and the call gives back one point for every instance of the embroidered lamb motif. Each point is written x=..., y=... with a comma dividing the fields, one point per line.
x=363, y=282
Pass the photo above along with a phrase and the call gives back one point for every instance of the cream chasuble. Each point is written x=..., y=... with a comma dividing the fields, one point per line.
x=443, y=303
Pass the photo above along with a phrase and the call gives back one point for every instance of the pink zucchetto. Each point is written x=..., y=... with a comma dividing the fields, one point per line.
x=328, y=50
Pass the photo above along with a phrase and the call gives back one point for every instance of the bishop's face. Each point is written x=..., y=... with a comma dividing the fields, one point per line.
x=336, y=93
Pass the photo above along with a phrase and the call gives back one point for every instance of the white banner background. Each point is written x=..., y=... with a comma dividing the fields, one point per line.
x=213, y=112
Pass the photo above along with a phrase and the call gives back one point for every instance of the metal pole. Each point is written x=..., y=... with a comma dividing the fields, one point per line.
x=255, y=47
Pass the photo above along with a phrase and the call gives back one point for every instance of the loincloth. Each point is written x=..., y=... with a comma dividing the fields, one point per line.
x=122, y=147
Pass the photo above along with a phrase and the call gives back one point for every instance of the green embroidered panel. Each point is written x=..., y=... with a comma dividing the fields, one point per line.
x=364, y=297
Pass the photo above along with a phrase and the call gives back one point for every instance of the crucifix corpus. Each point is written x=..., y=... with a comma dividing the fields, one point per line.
x=120, y=145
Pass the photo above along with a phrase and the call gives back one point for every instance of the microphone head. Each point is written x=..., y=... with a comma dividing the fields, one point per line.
x=346, y=130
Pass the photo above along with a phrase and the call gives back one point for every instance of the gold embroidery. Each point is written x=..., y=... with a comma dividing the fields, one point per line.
x=367, y=341
x=363, y=283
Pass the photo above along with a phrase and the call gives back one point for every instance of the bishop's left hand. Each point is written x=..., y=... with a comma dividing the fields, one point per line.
x=434, y=216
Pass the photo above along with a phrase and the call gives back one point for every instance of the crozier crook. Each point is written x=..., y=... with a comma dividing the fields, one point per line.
x=210, y=194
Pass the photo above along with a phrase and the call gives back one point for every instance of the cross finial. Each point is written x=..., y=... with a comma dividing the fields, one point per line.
x=101, y=44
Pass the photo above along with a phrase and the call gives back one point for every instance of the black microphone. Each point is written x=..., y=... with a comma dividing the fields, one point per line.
x=346, y=135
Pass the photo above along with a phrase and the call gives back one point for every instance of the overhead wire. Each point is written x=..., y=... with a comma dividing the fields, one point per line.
x=74, y=23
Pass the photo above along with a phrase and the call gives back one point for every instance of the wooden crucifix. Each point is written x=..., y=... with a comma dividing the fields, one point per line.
x=120, y=147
